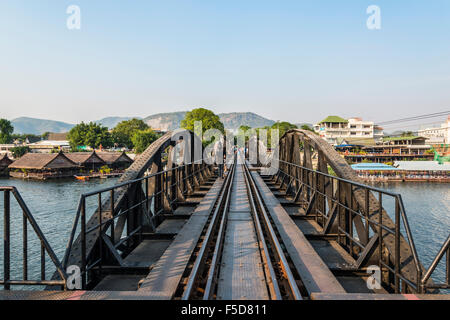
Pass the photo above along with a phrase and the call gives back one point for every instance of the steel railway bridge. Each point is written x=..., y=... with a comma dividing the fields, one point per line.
x=309, y=230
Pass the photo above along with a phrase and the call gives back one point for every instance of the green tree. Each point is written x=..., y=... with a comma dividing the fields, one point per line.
x=23, y=137
x=45, y=135
x=243, y=131
x=124, y=131
x=407, y=134
x=6, y=130
x=244, y=128
x=18, y=152
x=283, y=127
x=89, y=134
x=306, y=127
x=143, y=138
x=208, y=118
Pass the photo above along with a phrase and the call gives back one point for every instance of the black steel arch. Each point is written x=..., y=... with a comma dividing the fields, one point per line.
x=304, y=162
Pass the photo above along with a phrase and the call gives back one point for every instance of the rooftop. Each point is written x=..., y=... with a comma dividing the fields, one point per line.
x=422, y=165
x=50, y=143
x=43, y=160
x=357, y=141
x=57, y=136
x=402, y=138
x=113, y=157
x=334, y=119
x=372, y=166
x=5, y=160
x=83, y=157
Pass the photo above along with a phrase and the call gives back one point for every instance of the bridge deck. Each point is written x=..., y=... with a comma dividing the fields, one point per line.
x=139, y=295
x=241, y=274
x=315, y=274
x=163, y=279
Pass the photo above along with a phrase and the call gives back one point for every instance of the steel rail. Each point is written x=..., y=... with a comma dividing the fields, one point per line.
x=274, y=239
x=212, y=273
x=199, y=261
x=271, y=276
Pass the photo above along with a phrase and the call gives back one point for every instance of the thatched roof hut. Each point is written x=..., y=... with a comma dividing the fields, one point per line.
x=115, y=158
x=86, y=159
x=5, y=161
x=43, y=161
x=55, y=136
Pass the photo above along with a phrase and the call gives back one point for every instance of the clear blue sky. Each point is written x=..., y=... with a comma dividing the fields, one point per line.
x=286, y=60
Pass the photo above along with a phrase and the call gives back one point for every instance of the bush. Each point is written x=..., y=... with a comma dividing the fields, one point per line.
x=18, y=152
x=142, y=139
x=105, y=170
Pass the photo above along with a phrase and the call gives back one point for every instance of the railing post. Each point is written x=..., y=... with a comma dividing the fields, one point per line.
x=100, y=243
x=350, y=220
x=6, y=239
x=367, y=209
x=112, y=214
x=42, y=261
x=83, y=243
x=316, y=192
x=447, y=274
x=25, y=246
x=380, y=233
x=338, y=208
x=397, y=246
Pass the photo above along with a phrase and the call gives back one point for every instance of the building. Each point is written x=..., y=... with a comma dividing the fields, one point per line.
x=404, y=145
x=394, y=149
x=438, y=135
x=333, y=128
x=116, y=160
x=86, y=160
x=422, y=166
x=378, y=133
x=43, y=166
x=53, y=136
x=425, y=171
x=49, y=146
x=391, y=149
x=6, y=149
x=5, y=161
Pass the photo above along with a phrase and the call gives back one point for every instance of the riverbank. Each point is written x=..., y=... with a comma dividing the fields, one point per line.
x=375, y=178
x=53, y=203
x=404, y=171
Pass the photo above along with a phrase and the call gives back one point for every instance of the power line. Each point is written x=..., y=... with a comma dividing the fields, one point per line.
x=421, y=117
x=416, y=125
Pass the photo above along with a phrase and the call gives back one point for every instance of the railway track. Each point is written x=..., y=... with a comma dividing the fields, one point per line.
x=239, y=254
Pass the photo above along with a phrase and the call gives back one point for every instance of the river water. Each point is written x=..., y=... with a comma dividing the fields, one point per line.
x=427, y=207
x=54, y=203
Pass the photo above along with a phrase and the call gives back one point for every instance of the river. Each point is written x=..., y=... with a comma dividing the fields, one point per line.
x=54, y=203
x=427, y=206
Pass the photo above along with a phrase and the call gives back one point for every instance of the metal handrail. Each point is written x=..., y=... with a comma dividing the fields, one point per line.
x=45, y=246
x=185, y=174
x=411, y=244
x=396, y=232
x=112, y=188
x=445, y=249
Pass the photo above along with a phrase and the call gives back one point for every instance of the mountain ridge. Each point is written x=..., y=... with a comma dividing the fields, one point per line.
x=162, y=121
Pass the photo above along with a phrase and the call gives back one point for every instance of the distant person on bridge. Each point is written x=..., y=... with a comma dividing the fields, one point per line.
x=218, y=155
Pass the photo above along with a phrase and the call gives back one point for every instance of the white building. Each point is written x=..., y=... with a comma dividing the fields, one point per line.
x=48, y=146
x=6, y=149
x=334, y=127
x=437, y=135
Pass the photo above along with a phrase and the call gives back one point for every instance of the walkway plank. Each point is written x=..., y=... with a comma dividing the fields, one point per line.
x=163, y=279
x=313, y=271
x=241, y=273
